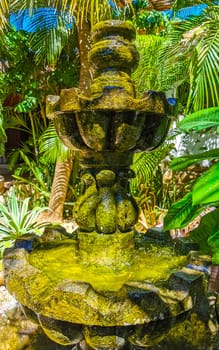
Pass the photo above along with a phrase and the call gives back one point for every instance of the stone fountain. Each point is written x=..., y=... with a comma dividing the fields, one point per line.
x=102, y=287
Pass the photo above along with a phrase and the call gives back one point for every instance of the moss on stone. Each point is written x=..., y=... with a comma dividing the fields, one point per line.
x=113, y=54
x=113, y=28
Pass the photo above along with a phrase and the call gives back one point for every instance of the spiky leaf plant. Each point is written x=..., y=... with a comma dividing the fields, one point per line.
x=16, y=220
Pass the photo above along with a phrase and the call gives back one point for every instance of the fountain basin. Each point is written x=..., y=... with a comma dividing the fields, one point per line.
x=122, y=290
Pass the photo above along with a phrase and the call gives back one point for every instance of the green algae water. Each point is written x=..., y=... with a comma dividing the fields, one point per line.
x=151, y=264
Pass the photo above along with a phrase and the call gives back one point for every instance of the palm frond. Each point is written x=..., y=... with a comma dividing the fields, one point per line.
x=86, y=10
x=3, y=14
x=178, y=4
x=48, y=42
x=146, y=75
x=51, y=147
x=145, y=165
x=190, y=54
x=204, y=66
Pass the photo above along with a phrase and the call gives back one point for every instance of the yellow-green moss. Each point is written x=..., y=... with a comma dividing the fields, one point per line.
x=64, y=262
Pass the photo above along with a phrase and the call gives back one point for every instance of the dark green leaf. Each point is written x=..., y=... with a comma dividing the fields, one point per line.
x=185, y=161
x=181, y=213
x=206, y=188
x=209, y=225
x=202, y=119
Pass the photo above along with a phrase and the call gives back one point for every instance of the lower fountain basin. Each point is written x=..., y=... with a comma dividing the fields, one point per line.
x=124, y=293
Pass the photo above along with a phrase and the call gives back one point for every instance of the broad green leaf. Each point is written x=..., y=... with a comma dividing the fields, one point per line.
x=181, y=213
x=215, y=258
x=185, y=161
x=209, y=224
x=202, y=119
x=206, y=188
x=213, y=241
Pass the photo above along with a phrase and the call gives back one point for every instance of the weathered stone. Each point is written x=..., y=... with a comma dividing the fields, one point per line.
x=106, y=250
x=63, y=333
x=159, y=303
x=185, y=244
x=102, y=338
x=186, y=279
x=157, y=233
x=27, y=241
x=151, y=334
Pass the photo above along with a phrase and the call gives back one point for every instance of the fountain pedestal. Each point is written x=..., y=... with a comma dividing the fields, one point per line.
x=99, y=287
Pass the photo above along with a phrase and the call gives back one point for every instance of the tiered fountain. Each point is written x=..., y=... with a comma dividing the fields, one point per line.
x=100, y=288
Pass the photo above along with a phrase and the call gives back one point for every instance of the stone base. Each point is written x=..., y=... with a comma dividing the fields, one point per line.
x=111, y=306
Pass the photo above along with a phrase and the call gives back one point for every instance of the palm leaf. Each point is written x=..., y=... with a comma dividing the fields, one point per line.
x=201, y=119
x=48, y=43
x=146, y=74
x=178, y=4
x=190, y=54
x=51, y=147
x=83, y=10
x=204, y=65
x=180, y=163
x=144, y=166
x=3, y=14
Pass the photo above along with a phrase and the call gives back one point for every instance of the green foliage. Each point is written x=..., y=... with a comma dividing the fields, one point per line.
x=49, y=43
x=51, y=147
x=181, y=213
x=153, y=22
x=16, y=220
x=204, y=194
x=201, y=119
x=190, y=55
x=145, y=76
x=147, y=186
x=145, y=165
x=206, y=188
x=206, y=233
x=180, y=163
x=37, y=176
x=3, y=136
x=178, y=4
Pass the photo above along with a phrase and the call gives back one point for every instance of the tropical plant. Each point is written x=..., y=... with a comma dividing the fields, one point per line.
x=147, y=185
x=84, y=14
x=26, y=112
x=178, y=4
x=16, y=219
x=190, y=56
x=146, y=75
x=3, y=14
x=152, y=22
x=55, y=152
x=205, y=192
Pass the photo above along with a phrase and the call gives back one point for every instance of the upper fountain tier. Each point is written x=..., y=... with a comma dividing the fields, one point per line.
x=111, y=120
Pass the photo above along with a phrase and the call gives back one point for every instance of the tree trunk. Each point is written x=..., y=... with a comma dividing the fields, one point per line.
x=84, y=41
x=63, y=169
x=59, y=189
